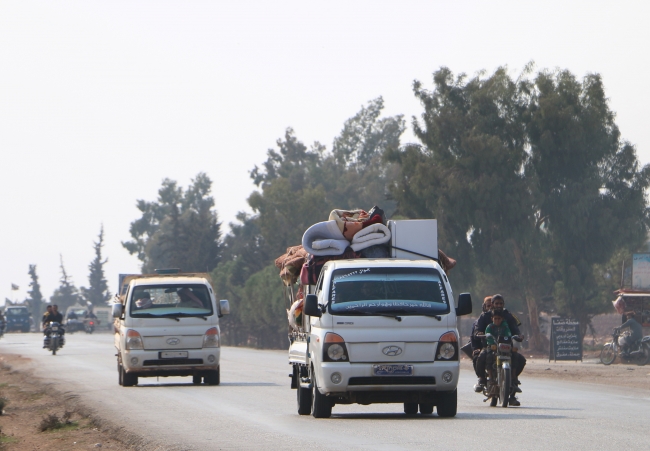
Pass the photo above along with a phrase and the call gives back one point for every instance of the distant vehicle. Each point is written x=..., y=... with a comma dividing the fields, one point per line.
x=168, y=325
x=104, y=318
x=18, y=318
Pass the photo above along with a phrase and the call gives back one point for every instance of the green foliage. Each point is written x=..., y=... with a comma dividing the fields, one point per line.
x=67, y=293
x=97, y=293
x=180, y=229
x=35, y=299
x=532, y=186
x=299, y=186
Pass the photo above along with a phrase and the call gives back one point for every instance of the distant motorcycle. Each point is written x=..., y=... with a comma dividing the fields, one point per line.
x=640, y=354
x=54, y=336
x=90, y=326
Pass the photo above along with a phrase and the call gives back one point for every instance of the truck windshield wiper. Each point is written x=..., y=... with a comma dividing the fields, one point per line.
x=438, y=317
x=387, y=314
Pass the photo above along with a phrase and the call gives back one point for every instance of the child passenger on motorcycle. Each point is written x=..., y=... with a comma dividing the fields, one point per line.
x=493, y=331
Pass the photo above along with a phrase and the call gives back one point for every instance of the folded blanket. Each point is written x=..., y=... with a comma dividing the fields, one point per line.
x=324, y=238
x=370, y=236
x=290, y=264
x=349, y=221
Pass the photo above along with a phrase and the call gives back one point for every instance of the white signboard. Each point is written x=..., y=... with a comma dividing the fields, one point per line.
x=641, y=271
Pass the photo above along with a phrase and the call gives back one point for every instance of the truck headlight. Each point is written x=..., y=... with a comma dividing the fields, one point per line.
x=334, y=349
x=133, y=340
x=211, y=338
x=447, y=346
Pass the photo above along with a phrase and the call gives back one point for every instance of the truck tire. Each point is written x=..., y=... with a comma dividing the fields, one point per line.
x=321, y=405
x=119, y=374
x=128, y=380
x=447, y=403
x=303, y=397
x=410, y=408
x=426, y=409
x=213, y=377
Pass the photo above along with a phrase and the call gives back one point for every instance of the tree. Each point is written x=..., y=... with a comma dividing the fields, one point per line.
x=67, y=293
x=180, y=230
x=592, y=187
x=35, y=299
x=97, y=293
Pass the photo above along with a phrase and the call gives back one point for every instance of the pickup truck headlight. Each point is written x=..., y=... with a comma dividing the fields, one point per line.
x=334, y=349
x=211, y=338
x=447, y=347
x=133, y=340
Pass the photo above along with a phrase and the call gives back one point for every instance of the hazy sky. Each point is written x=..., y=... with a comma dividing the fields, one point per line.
x=100, y=101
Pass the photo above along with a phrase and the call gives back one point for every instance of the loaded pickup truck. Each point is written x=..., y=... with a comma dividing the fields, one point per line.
x=167, y=324
x=381, y=330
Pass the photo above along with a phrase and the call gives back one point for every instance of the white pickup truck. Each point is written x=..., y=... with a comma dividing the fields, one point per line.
x=168, y=325
x=380, y=331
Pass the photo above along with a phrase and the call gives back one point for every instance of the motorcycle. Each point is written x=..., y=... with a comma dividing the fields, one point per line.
x=54, y=337
x=499, y=386
x=640, y=354
x=90, y=326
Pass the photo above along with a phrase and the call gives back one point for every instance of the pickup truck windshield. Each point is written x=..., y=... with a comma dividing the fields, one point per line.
x=404, y=291
x=173, y=300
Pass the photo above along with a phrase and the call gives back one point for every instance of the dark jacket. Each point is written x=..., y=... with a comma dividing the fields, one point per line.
x=55, y=317
x=486, y=319
x=635, y=327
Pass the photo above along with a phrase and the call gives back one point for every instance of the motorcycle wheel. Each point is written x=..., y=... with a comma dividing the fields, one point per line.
x=504, y=386
x=608, y=354
x=54, y=345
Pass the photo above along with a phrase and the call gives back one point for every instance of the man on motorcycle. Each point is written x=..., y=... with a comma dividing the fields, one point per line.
x=53, y=316
x=518, y=360
x=497, y=329
x=474, y=340
x=46, y=315
x=636, y=333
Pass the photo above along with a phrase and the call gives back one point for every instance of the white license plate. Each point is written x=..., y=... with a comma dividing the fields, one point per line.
x=173, y=355
x=392, y=370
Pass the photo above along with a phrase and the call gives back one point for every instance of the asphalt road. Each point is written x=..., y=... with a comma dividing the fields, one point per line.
x=254, y=408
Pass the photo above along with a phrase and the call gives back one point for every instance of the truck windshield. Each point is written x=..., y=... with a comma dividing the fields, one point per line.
x=173, y=300
x=404, y=291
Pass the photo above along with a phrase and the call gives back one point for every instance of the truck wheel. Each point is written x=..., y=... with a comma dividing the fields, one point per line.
x=410, y=408
x=128, y=380
x=303, y=396
x=213, y=377
x=426, y=409
x=119, y=374
x=196, y=379
x=321, y=405
x=447, y=403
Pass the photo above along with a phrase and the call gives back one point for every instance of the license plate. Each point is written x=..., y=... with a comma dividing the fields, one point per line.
x=173, y=355
x=392, y=370
x=55, y=328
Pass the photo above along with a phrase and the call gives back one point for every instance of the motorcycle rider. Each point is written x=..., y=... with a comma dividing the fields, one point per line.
x=629, y=341
x=53, y=316
x=518, y=360
x=48, y=312
x=495, y=329
x=475, y=341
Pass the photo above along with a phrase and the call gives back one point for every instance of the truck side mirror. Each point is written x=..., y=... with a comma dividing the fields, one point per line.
x=117, y=311
x=464, y=304
x=311, y=306
x=224, y=306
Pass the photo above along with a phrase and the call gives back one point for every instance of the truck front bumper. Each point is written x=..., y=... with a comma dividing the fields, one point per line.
x=152, y=363
x=358, y=377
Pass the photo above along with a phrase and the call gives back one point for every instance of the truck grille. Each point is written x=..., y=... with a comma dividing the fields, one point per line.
x=392, y=380
x=163, y=362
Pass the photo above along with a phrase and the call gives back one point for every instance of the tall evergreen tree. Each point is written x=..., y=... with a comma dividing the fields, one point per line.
x=97, y=293
x=180, y=229
x=67, y=293
x=35, y=299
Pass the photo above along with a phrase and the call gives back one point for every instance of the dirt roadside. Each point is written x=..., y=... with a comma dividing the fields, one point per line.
x=32, y=405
